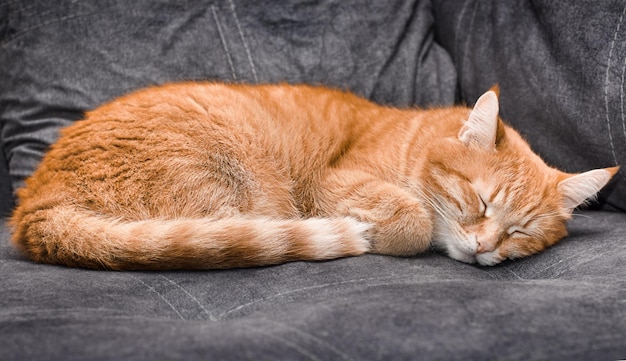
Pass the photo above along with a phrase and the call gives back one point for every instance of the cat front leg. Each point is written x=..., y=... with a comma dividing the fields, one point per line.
x=401, y=224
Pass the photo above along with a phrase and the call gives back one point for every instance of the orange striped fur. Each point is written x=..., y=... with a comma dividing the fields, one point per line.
x=208, y=175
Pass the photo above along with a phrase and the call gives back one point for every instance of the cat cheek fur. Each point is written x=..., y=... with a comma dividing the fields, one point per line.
x=465, y=251
x=448, y=238
x=459, y=252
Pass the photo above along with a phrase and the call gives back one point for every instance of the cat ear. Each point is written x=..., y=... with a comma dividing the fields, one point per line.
x=482, y=126
x=576, y=189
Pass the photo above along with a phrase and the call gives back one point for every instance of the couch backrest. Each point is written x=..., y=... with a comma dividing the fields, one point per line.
x=6, y=197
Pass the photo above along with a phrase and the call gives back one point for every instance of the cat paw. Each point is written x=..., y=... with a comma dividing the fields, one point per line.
x=407, y=232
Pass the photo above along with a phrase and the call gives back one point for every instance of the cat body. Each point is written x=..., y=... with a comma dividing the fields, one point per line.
x=210, y=175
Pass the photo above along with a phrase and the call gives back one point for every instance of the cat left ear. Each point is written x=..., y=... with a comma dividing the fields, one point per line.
x=482, y=126
x=576, y=189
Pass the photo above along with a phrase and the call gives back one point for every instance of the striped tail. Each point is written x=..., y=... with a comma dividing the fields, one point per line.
x=80, y=238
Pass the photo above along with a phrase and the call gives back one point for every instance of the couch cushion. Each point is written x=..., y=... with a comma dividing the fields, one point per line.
x=565, y=303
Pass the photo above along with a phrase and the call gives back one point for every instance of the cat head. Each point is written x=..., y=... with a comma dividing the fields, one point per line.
x=493, y=197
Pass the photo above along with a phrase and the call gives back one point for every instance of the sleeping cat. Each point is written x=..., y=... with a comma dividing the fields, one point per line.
x=208, y=175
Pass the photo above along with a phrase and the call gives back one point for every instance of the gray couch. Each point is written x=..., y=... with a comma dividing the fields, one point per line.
x=561, y=71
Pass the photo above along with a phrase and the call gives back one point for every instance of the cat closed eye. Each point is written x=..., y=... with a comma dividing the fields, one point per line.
x=516, y=232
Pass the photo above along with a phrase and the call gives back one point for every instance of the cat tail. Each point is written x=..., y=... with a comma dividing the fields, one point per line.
x=81, y=238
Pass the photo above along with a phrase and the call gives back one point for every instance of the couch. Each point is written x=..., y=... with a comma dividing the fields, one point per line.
x=560, y=68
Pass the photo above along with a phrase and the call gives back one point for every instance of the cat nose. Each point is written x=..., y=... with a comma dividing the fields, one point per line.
x=484, y=247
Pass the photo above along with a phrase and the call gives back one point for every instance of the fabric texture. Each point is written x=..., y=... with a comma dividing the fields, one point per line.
x=561, y=70
x=566, y=303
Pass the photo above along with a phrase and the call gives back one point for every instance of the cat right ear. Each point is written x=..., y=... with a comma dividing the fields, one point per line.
x=482, y=126
x=576, y=189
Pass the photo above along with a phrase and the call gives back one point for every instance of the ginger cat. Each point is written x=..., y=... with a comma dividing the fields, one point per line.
x=208, y=175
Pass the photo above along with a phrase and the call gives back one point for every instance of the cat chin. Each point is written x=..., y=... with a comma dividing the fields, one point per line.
x=489, y=258
x=455, y=253
x=483, y=259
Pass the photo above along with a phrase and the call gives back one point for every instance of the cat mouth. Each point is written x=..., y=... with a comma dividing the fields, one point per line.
x=466, y=252
x=459, y=254
x=483, y=259
x=489, y=258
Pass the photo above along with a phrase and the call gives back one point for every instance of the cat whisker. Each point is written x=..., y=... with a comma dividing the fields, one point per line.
x=580, y=215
